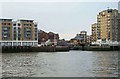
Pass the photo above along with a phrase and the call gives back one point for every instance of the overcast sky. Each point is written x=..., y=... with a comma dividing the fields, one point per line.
x=65, y=18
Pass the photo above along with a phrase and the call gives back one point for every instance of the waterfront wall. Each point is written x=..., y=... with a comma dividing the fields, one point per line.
x=97, y=48
x=15, y=49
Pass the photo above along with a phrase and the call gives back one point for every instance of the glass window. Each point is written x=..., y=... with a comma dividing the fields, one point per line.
x=9, y=44
x=35, y=43
x=18, y=28
x=24, y=44
x=35, y=25
x=8, y=23
x=14, y=28
x=3, y=44
x=18, y=24
x=4, y=23
x=14, y=44
x=14, y=24
x=19, y=43
x=31, y=43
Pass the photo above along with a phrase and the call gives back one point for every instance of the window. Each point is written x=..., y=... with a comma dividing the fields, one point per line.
x=14, y=44
x=8, y=23
x=18, y=38
x=9, y=44
x=30, y=21
x=36, y=29
x=24, y=44
x=35, y=38
x=14, y=24
x=14, y=28
x=35, y=25
x=14, y=38
x=18, y=28
x=2, y=44
x=35, y=43
x=18, y=24
x=24, y=24
x=30, y=43
x=19, y=43
x=4, y=23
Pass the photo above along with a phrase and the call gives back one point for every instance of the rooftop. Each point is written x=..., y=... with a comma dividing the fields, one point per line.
x=4, y=18
x=25, y=19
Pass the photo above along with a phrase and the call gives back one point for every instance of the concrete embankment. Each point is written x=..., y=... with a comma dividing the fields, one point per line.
x=15, y=49
x=97, y=48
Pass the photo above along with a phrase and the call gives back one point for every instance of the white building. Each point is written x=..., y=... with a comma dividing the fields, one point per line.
x=22, y=32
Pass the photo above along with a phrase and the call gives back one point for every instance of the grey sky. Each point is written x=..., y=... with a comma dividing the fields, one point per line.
x=65, y=18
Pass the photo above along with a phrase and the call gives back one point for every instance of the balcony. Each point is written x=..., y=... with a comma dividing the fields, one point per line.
x=5, y=32
x=5, y=28
x=5, y=36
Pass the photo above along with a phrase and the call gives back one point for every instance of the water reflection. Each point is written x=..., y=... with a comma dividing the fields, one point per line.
x=106, y=64
x=68, y=64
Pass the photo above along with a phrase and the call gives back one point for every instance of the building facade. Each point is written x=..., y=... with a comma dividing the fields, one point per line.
x=5, y=31
x=54, y=38
x=89, y=39
x=107, y=25
x=119, y=28
x=94, y=32
x=81, y=38
x=44, y=37
x=22, y=32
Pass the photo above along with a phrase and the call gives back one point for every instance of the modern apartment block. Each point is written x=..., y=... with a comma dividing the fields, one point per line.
x=119, y=28
x=5, y=31
x=107, y=25
x=94, y=32
x=22, y=32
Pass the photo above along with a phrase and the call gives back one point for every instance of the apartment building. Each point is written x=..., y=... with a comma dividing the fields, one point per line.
x=5, y=31
x=94, y=32
x=107, y=25
x=119, y=28
x=22, y=32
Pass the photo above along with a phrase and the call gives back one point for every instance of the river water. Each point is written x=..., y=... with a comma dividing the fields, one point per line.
x=60, y=64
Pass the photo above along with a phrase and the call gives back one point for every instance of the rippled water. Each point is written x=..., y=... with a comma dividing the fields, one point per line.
x=61, y=64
